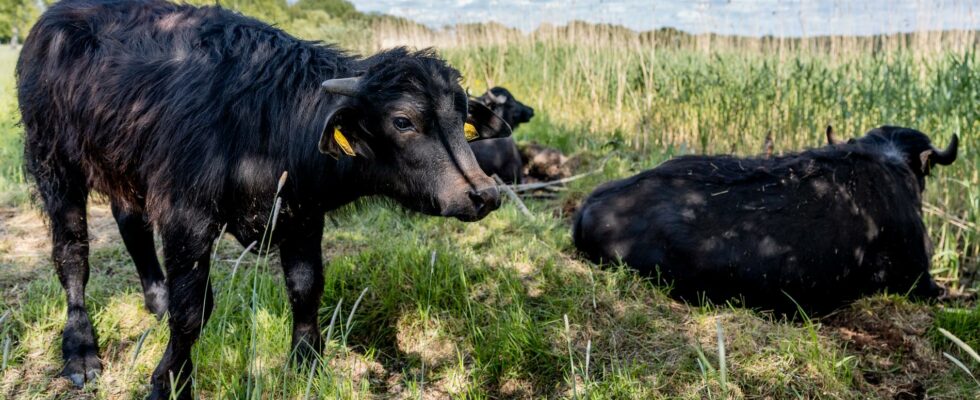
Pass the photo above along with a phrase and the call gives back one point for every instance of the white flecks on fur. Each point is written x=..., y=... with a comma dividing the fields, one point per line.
x=768, y=247
x=892, y=152
x=859, y=255
x=251, y=169
x=157, y=290
x=821, y=187
x=694, y=199
x=872, y=232
x=710, y=244
x=688, y=214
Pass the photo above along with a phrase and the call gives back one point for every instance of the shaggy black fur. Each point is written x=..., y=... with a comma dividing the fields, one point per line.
x=186, y=117
x=822, y=227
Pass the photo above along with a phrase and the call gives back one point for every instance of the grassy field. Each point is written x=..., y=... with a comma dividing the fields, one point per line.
x=504, y=308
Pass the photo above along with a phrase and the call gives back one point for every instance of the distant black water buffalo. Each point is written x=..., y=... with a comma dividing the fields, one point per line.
x=500, y=156
x=822, y=227
x=185, y=118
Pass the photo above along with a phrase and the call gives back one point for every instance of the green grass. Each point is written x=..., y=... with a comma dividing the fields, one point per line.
x=485, y=317
x=12, y=189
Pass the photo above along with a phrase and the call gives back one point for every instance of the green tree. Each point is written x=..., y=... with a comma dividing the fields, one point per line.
x=17, y=17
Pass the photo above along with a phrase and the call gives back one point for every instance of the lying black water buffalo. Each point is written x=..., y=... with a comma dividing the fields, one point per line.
x=543, y=163
x=822, y=227
x=186, y=117
x=500, y=156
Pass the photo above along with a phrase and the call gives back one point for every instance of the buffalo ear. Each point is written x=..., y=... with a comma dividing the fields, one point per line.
x=924, y=160
x=343, y=136
x=485, y=123
x=934, y=156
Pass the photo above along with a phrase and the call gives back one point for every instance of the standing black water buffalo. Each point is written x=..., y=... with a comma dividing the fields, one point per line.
x=822, y=227
x=185, y=118
x=500, y=156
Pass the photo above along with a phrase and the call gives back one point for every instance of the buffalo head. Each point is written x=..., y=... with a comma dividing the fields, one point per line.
x=912, y=146
x=404, y=122
x=501, y=102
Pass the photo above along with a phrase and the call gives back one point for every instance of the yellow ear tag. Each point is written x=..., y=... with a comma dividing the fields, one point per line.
x=470, y=131
x=342, y=142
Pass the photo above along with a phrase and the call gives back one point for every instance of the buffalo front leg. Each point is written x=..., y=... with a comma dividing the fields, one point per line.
x=63, y=188
x=302, y=265
x=190, y=301
x=70, y=254
x=137, y=234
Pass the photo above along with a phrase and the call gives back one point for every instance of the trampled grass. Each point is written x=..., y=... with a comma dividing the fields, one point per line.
x=478, y=310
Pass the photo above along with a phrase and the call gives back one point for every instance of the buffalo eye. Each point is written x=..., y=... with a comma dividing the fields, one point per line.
x=402, y=124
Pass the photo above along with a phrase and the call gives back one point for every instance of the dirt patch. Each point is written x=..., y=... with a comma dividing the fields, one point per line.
x=23, y=235
x=24, y=231
x=357, y=367
x=25, y=244
x=426, y=339
x=516, y=389
x=890, y=339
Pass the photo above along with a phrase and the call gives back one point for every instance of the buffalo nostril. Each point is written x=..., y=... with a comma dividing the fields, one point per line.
x=478, y=201
x=492, y=197
x=485, y=200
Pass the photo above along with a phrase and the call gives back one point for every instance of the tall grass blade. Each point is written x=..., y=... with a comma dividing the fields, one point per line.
x=139, y=345
x=350, y=317
x=309, y=378
x=333, y=319
x=962, y=345
x=6, y=352
x=962, y=366
x=588, y=355
x=722, y=363
x=571, y=356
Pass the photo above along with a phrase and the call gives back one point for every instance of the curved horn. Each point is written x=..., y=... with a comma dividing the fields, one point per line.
x=499, y=99
x=946, y=157
x=830, y=136
x=768, y=145
x=341, y=86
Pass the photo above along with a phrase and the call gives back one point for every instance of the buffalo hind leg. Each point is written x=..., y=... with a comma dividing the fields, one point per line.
x=65, y=197
x=137, y=234
x=186, y=253
x=302, y=265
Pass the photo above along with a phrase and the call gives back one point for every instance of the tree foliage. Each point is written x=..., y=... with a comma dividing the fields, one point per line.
x=17, y=17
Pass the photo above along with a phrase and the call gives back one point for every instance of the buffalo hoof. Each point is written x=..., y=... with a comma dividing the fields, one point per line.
x=155, y=298
x=307, y=349
x=82, y=368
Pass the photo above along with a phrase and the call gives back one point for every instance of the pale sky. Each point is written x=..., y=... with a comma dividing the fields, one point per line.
x=743, y=17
